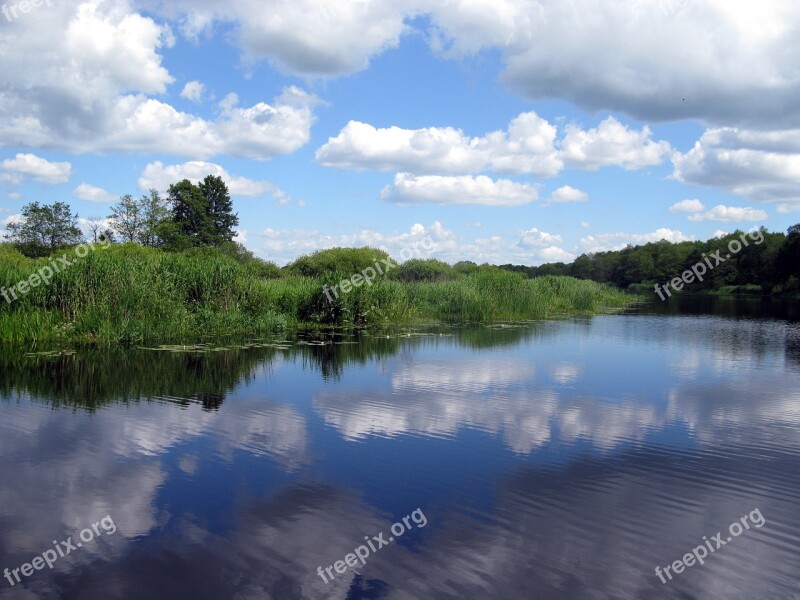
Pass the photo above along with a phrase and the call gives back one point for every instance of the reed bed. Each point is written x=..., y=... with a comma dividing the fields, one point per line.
x=131, y=294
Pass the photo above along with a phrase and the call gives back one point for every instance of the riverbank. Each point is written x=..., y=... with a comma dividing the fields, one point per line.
x=130, y=294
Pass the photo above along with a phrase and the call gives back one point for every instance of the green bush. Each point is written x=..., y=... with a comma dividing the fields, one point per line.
x=415, y=270
x=341, y=262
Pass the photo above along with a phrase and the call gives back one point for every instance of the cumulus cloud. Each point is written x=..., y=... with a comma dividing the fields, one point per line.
x=286, y=245
x=529, y=145
x=41, y=170
x=141, y=124
x=687, y=206
x=158, y=176
x=92, y=193
x=556, y=254
x=568, y=193
x=612, y=143
x=362, y=146
x=193, y=91
x=534, y=238
x=758, y=165
x=617, y=241
x=81, y=77
x=730, y=214
x=717, y=61
x=241, y=236
x=434, y=189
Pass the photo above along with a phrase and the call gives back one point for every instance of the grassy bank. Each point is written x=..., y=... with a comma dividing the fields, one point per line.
x=129, y=294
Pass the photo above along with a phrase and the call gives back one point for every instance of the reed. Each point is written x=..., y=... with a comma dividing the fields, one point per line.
x=131, y=294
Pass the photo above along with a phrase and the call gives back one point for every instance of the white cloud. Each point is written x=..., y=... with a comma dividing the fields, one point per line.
x=530, y=145
x=730, y=214
x=585, y=224
x=146, y=125
x=158, y=176
x=193, y=91
x=526, y=147
x=719, y=61
x=303, y=36
x=617, y=241
x=534, y=238
x=40, y=169
x=556, y=254
x=16, y=218
x=612, y=143
x=758, y=165
x=434, y=189
x=362, y=146
x=568, y=194
x=687, y=206
x=14, y=196
x=91, y=193
x=81, y=77
x=714, y=60
x=284, y=246
x=241, y=236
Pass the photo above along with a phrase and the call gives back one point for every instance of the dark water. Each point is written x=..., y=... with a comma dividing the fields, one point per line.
x=564, y=459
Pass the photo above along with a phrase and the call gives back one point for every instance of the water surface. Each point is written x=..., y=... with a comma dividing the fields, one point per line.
x=560, y=459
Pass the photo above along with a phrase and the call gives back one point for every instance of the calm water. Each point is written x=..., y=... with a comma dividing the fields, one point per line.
x=562, y=459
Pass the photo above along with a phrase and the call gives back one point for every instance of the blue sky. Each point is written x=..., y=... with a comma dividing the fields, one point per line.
x=523, y=131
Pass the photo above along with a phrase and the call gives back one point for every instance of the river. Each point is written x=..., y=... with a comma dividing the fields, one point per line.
x=560, y=459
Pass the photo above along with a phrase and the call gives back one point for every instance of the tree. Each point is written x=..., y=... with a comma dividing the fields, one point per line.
x=201, y=215
x=153, y=211
x=191, y=224
x=44, y=229
x=96, y=226
x=220, y=209
x=126, y=218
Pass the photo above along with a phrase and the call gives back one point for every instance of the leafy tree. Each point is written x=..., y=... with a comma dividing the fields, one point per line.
x=201, y=215
x=191, y=223
x=126, y=218
x=44, y=229
x=788, y=260
x=154, y=211
x=220, y=209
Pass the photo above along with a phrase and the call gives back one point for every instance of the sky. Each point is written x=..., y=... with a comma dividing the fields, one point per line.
x=522, y=131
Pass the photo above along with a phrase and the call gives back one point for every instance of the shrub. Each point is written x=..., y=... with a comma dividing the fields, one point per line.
x=415, y=270
x=341, y=262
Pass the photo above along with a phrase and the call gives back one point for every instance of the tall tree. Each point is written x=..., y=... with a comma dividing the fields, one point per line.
x=201, y=214
x=126, y=218
x=153, y=210
x=191, y=223
x=44, y=229
x=220, y=209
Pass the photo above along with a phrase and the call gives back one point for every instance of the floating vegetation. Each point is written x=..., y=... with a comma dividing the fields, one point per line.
x=51, y=353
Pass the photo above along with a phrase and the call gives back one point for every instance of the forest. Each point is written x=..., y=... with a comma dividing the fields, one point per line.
x=770, y=268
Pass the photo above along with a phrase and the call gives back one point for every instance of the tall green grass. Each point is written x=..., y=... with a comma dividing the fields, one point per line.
x=131, y=294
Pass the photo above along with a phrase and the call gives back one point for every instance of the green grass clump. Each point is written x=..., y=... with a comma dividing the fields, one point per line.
x=130, y=294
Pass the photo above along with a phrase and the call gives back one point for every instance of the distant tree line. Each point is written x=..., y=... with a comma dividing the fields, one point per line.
x=770, y=267
x=192, y=215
